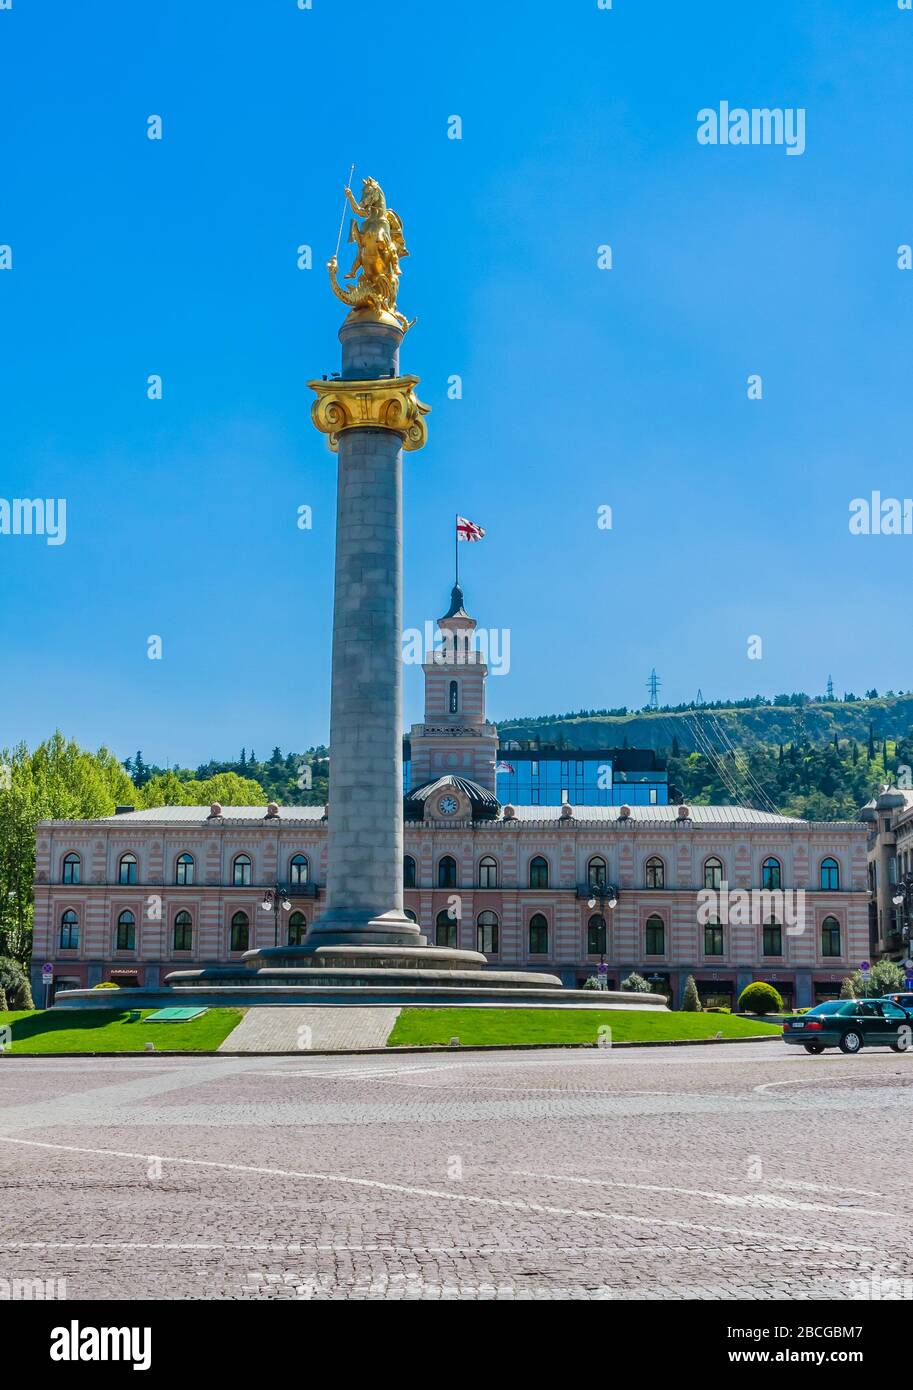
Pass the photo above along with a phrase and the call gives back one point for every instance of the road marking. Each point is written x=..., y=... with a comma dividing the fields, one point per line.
x=749, y=1199
x=473, y=1199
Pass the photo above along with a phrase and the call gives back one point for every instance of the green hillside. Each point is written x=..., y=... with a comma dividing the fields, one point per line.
x=785, y=719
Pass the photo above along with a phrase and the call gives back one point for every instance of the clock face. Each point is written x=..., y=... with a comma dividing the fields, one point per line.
x=448, y=805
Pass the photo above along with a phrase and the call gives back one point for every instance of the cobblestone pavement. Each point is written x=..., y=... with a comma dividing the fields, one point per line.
x=323, y=1029
x=733, y=1172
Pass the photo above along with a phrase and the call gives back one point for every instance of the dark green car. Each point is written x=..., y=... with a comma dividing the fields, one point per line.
x=851, y=1024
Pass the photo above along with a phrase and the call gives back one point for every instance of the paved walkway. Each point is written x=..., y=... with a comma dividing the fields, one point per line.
x=680, y=1173
x=319, y=1029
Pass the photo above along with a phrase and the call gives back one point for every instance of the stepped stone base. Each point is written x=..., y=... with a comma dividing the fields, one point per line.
x=484, y=990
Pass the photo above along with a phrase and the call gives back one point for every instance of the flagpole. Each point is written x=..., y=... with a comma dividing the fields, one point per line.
x=456, y=546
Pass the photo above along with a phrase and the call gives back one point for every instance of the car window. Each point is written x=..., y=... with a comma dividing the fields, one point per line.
x=869, y=1010
x=892, y=1011
x=830, y=1006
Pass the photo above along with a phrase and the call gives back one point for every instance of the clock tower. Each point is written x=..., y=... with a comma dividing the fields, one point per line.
x=455, y=737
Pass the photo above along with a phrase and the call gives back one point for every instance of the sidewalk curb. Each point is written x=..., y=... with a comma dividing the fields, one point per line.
x=403, y=1051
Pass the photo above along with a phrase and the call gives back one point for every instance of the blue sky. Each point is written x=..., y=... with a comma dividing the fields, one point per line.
x=581, y=387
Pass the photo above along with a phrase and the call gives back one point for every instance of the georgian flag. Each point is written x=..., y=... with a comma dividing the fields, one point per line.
x=467, y=530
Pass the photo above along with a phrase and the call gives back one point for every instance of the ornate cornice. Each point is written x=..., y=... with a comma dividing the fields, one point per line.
x=386, y=403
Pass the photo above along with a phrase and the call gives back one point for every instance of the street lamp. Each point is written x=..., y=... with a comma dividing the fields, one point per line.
x=902, y=897
x=605, y=893
x=275, y=900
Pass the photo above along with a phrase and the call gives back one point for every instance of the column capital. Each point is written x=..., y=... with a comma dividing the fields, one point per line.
x=386, y=403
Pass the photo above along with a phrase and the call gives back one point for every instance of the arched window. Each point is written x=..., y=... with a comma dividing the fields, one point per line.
x=71, y=866
x=655, y=936
x=445, y=932
x=596, y=936
x=538, y=935
x=487, y=933
x=183, y=931
x=772, y=944
x=183, y=870
x=830, y=937
x=538, y=872
x=69, y=931
x=126, y=932
x=595, y=872
x=126, y=870
x=239, y=939
x=830, y=876
x=408, y=871
x=240, y=875
x=454, y=700
x=446, y=872
x=298, y=870
x=770, y=874
x=407, y=911
x=488, y=873
x=297, y=928
x=713, y=873
x=713, y=937
x=655, y=873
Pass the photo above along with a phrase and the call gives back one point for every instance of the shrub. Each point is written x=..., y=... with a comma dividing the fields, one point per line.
x=847, y=989
x=15, y=984
x=691, y=1000
x=106, y=984
x=760, y=998
x=592, y=982
x=717, y=1009
x=636, y=984
x=885, y=976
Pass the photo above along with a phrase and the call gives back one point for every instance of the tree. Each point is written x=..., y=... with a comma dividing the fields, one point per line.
x=14, y=984
x=884, y=977
x=58, y=781
x=691, y=1000
x=846, y=989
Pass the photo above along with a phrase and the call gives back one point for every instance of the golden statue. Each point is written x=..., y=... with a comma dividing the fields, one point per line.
x=380, y=245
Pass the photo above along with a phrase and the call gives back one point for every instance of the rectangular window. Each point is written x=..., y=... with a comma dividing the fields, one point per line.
x=773, y=940
x=713, y=939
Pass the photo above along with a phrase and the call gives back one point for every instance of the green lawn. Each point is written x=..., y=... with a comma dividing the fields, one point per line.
x=110, y=1030
x=497, y=1027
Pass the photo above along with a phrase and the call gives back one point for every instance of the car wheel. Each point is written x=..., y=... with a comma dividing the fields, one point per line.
x=814, y=1048
x=851, y=1041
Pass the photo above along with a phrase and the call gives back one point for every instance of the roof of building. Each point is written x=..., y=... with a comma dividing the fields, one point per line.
x=456, y=609
x=653, y=815
x=485, y=805
x=488, y=809
x=200, y=815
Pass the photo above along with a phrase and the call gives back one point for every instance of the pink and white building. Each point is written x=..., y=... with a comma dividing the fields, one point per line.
x=726, y=894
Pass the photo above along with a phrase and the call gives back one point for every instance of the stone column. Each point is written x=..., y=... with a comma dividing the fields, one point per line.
x=364, y=895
